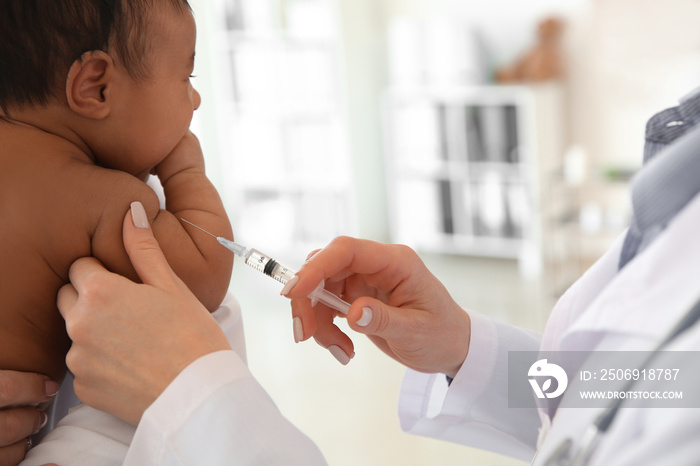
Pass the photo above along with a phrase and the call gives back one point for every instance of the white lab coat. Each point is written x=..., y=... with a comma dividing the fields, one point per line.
x=632, y=309
x=216, y=413
x=213, y=413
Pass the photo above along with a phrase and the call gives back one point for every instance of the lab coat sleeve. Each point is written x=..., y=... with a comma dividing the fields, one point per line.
x=213, y=413
x=474, y=411
x=216, y=413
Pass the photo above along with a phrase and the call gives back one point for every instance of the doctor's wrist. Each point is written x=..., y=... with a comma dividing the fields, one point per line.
x=459, y=349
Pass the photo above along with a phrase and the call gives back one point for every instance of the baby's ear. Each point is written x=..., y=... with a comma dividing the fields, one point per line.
x=89, y=84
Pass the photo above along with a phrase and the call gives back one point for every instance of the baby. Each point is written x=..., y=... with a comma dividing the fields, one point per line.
x=94, y=97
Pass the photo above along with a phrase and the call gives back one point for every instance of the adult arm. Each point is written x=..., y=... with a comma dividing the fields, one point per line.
x=410, y=315
x=20, y=393
x=474, y=409
x=152, y=355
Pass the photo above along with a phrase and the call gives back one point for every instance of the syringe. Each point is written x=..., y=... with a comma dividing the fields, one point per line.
x=280, y=272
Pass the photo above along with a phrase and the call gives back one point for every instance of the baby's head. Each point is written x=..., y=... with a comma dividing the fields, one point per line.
x=114, y=63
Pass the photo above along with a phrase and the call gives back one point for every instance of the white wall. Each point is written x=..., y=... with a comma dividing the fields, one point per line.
x=208, y=83
x=507, y=26
x=365, y=23
x=626, y=60
x=633, y=58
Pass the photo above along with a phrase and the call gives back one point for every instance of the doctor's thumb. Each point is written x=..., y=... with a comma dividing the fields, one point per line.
x=143, y=249
x=373, y=317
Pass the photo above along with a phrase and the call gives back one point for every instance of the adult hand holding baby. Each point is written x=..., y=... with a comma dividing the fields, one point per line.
x=143, y=336
x=19, y=418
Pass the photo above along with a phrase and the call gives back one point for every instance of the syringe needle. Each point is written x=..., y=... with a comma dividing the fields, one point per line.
x=200, y=228
x=320, y=294
x=227, y=243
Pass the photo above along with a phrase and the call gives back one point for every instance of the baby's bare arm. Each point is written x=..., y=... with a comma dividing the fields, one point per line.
x=198, y=259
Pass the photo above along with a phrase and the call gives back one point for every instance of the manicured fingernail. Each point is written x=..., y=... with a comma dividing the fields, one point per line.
x=366, y=317
x=44, y=421
x=339, y=354
x=298, y=330
x=51, y=388
x=289, y=285
x=138, y=215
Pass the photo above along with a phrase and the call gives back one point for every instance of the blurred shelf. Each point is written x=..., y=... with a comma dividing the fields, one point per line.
x=470, y=169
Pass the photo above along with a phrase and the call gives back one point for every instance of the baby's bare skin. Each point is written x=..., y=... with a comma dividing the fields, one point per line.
x=69, y=171
x=57, y=206
x=39, y=240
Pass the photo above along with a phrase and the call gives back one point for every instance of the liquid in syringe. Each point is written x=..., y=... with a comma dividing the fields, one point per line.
x=270, y=267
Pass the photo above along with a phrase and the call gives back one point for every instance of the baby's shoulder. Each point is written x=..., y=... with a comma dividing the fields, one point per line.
x=51, y=177
x=104, y=194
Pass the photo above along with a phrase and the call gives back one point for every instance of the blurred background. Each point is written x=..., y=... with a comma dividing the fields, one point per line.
x=496, y=138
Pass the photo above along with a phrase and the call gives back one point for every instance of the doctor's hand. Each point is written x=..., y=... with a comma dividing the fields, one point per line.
x=131, y=340
x=20, y=393
x=396, y=301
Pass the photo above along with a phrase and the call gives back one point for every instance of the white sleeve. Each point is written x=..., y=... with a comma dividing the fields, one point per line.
x=474, y=411
x=213, y=413
x=216, y=413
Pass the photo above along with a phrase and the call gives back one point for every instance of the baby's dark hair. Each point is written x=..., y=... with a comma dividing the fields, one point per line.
x=40, y=40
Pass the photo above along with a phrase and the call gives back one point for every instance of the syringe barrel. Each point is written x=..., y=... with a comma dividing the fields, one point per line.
x=329, y=299
x=270, y=267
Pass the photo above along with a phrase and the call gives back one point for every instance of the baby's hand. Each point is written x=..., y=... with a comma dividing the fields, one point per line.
x=186, y=157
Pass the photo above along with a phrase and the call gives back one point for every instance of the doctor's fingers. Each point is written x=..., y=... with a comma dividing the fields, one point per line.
x=67, y=299
x=329, y=336
x=343, y=257
x=91, y=287
x=303, y=319
x=318, y=322
x=373, y=317
x=311, y=254
x=145, y=253
x=87, y=274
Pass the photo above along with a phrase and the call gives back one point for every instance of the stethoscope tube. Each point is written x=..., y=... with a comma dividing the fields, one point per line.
x=596, y=430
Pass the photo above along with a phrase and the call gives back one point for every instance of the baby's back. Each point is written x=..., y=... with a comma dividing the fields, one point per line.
x=47, y=223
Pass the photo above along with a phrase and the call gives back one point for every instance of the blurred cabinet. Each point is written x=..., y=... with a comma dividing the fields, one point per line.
x=281, y=126
x=477, y=171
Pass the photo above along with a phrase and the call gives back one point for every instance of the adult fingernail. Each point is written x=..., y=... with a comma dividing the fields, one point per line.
x=42, y=424
x=50, y=388
x=339, y=354
x=298, y=330
x=366, y=317
x=138, y=215
x=289, y=285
